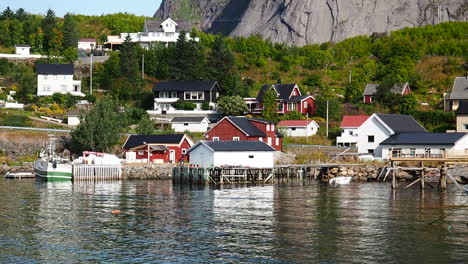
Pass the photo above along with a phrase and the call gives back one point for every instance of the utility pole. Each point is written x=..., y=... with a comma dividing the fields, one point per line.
x=307, y=127
x=327, y=118
x=91, y=71
x=350, y=76
x=143, y=66
x=439, y=13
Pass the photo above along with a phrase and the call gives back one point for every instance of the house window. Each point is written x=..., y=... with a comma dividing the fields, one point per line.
x=217, y=94
x=251, y=156
x=235, y=138
x=268, y=127
x=194, y=96
x=370, y=138
x=141, y=152
x=412, y=152
x=163, y=95
x=292, y=106
x=351, y=132
x=260, y=139
x=269, y=141
x=184, y=151
x=45, y=77
x=305, y=104
x=277, y=141
x=173, y=94
x=280, y=106
x=185, y=124
x=465, y=126
x=272, y=127
x=215, y=138
x=293, y=128
x=370, y=151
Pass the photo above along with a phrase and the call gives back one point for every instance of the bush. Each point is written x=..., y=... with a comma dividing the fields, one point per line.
x=205, y=106
x=184, y=105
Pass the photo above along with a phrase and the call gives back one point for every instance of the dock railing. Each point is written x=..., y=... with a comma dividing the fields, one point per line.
x=91, y=172
x=443, y=155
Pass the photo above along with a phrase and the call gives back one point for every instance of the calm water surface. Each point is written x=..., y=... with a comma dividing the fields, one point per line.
x=165, y=223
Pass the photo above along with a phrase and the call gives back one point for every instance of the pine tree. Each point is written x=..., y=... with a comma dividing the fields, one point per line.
x=129, y=61
x=187, y=60
x=49, y=27
x=21, y=14
x=270, y=105
x=7, y=14
x=70, y=32
x=221, y=63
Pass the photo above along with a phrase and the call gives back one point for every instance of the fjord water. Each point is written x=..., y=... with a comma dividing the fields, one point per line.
x=164, y=223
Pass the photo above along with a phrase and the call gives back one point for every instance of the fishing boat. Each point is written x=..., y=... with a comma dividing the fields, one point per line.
x=340, y=180
x=50, y=166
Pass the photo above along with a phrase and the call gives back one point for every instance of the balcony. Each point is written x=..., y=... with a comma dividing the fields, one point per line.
x=166, y=100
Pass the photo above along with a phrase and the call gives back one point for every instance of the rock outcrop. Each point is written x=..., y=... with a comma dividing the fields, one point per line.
x=302, y=22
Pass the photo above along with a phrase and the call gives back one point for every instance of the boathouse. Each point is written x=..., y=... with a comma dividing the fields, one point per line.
x=299, y=128
x=190, y=123
x=169, y=148
x=232, y=153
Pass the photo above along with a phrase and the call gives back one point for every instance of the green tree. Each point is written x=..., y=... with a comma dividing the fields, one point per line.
x=231, y=105
x=145, y=126
x=49, y=27
x=101, y=127
x=70, y=32
x=129, y=60
x=334, y=107
x=187, y=60
x=7, y=14
x=27, y=86
x=407, y=104
x=270, y=105
x=220, y=62
x=353, y=92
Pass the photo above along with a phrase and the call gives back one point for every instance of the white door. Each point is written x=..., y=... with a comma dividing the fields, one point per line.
x=172, y=156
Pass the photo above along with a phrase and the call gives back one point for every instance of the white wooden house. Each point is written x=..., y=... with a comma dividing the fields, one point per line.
x=349, y=126
x=57, y=78
x=379, y=127
x=298, y=128
x=232, y=153
x=87, y=44
x=424, y=145
x=190, y=123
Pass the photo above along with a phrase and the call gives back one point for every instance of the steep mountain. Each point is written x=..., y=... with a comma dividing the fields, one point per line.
x=302, y=22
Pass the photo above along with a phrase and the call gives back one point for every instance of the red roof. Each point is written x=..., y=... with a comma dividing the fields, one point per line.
x=353, y=120
x=294, y=123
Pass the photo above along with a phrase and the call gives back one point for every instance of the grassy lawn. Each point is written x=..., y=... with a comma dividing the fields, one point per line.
x=14, y=120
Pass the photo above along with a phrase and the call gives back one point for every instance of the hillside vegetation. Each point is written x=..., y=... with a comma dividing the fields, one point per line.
x=428, y=58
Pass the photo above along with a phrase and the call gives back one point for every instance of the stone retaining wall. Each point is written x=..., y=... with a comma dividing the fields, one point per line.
x=147, y=172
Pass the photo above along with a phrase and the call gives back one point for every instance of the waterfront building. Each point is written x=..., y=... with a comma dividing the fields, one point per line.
x=349, y=126
x=168, y=148
x=458, y=94
x=462, y=117
x=299, y=128
x=371, y=89
x=232, y=153
x=200, y=93
x=379, y=127
x=289, y=100
x=246, y=129
x=57, y=78
x=190, y=123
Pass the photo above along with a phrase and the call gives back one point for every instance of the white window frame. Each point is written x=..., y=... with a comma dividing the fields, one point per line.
x=173, y=94
x=235, y=138
x=465, y=126
x=195, y=96
x=163, y=94
x=215, y=138
x=141, y=152
x=292, y=106
x=260, y=139
x=277, y=141
x=305, y=104
x=184, y=151
x=269, y=141
x=268, y=127
x=186, y=124
x=251, y=156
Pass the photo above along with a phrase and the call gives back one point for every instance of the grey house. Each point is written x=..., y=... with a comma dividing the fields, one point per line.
x=459, y=93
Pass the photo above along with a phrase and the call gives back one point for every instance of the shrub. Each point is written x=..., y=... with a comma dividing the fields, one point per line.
x=205, y=106
x=184, y=105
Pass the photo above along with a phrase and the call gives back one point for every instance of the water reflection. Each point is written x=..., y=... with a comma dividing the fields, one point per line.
x=165, y=223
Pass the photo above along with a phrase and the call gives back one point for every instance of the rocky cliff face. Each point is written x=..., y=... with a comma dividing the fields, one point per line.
x=301, y=22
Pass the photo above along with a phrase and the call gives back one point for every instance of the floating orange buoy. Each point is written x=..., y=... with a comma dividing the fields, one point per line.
x=115, y=211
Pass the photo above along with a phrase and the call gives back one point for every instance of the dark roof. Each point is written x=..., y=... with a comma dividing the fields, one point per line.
x=154, y=25
x=187, y=119
x=238, y=146
x=244, y=124
x=401, y=123
x=22, y=46
x=55, y=69
x=423, y=139
x=460, y=88
x=371, y=88
x=182, y=86
x=462, y=108
x=297, y=98
x=138, y=140
x=284, y=90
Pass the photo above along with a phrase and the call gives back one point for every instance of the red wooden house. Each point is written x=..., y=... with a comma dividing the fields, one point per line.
x=371, y=90
x=169, y=148
x=246, y=129
x=289, y=99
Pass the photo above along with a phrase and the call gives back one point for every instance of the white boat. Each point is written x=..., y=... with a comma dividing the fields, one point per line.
x=340, y=180
x=19, y=175
x=50, y=167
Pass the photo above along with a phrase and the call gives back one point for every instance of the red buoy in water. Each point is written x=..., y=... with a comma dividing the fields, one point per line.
x=115, y=211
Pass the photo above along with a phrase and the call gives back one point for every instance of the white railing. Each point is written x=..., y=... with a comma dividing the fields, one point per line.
x=92, y=172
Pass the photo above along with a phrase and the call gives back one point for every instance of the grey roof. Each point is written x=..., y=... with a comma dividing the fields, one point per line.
x=244, y=124
x=237, y=146
x=140, y=140
x=187, y=119
x=284, y=90
x=55, y=69
x=462, y=108
x=423, y=139
x=401, y=123
x=371, y=88
x=22, y=46
x=154, y=25
x=460, y=88
x=182, y=86
x=75, y=112
x=297, y=98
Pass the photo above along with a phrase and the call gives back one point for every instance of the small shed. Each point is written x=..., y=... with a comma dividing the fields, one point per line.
x=254, y=154
x=299, y=128
x=190, y=123
x=73, y=117
x=24, y=50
